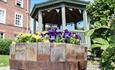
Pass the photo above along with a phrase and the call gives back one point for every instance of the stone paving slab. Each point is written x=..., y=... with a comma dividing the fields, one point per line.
x=92, y=66
x=4, y=68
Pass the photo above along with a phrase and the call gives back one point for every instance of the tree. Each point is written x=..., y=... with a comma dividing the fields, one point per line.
x=100, y=12
x=103, y=30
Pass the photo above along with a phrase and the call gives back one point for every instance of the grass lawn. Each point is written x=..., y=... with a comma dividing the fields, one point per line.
x=4, y=60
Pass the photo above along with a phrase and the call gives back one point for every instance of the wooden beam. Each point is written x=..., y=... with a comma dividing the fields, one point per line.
x=63, y=13
x=40, y=21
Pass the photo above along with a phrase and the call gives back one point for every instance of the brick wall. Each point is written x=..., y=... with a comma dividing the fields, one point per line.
x=9, y=27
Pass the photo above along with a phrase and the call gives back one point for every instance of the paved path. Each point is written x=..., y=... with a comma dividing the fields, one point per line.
x=4, y=68
x=92, y=66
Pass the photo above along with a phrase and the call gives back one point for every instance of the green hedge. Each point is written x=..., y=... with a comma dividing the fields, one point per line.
x=4, y=46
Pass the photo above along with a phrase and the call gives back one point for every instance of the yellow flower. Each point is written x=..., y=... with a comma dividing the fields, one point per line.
x=44, y=32
x=38, y=33
x=37, y=37
x=46, y=41
x=13, y=43
x=25, y=35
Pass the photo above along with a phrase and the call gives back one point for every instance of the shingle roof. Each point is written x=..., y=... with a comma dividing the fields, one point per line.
x=56, y=2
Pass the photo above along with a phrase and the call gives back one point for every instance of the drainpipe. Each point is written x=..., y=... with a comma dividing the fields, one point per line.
x=28, y=16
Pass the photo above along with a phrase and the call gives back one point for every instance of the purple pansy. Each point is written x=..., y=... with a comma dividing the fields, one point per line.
x=78, y=37
x=42, y=35
x=66, y=31
x=59, y=33
x=50, y=30
x=52, y=38
x=67, y=35
x=72, y=34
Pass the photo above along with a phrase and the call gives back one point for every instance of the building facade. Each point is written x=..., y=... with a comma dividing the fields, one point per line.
x=14, y=17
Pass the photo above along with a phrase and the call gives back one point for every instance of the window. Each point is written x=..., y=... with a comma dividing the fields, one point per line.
x=19, y=3
x=18, y=20
x=4, y=0
x=2, y=16
x=15, y=35
x=1, y=35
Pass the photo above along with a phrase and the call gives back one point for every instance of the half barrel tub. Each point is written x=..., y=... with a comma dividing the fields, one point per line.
x=48, y=56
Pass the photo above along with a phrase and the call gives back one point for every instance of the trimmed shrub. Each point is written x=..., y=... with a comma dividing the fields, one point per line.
x=4, y=46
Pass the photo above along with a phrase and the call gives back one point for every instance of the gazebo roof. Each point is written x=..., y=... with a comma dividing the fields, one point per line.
x=53, y=3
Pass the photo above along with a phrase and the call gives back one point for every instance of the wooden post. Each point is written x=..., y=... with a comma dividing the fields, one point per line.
x=40, y=21
x=63, y=10
x=34, y=26
x=86, y=27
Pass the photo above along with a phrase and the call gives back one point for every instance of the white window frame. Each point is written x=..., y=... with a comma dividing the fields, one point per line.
x=4, y=0
x=4, y=20
x=3, y=34
x=21, y=24
x=21, y=4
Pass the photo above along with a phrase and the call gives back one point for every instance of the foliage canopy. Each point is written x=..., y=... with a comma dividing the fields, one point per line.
x=102, y=14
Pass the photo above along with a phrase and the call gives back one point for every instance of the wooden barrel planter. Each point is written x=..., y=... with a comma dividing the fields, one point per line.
x=48, y=56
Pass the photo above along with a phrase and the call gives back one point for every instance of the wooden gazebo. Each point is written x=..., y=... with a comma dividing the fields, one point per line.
x=62, y=14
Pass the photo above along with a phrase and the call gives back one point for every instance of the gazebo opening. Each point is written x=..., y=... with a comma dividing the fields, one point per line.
x=53, y=18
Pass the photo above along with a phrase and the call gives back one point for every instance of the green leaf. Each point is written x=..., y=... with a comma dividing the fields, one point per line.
x=97, y=24
x=112, y=40
x=95, y=45
x=104, y=47
x=89, y=32
x=100, y=41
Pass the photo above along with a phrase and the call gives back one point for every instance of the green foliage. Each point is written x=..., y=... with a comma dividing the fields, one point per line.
x=59, y=39
x=108, y=59
x=100, y=42
x=112, y=40
x=72, y=40
x=100, y=12
x=4, y=60
x=4, y=46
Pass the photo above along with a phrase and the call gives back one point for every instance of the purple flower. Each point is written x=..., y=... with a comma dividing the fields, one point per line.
x=67, y=35
x=66, y=31
x=42, y=35
x=52, y=38
x=59, y=33
x=50, y=30
x=78, y=37
x=54, y=29
x=72, y=34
